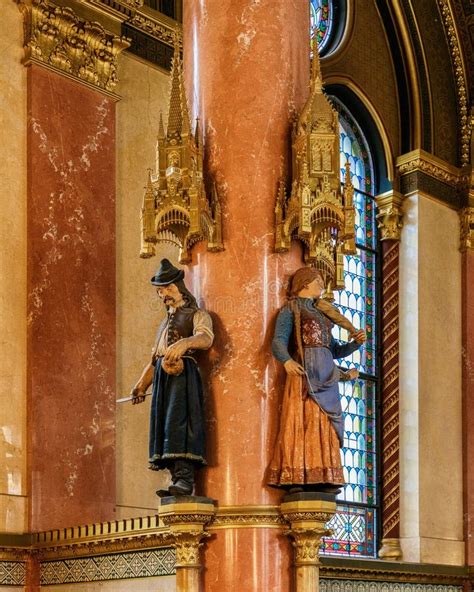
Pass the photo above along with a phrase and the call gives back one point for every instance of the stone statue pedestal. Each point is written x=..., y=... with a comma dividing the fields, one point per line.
x=307, y=514
x=186, y=517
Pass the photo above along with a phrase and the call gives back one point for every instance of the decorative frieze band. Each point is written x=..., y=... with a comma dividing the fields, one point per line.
x=421, y=161
x=141, y=564
x=56, y=37
x=422, y=172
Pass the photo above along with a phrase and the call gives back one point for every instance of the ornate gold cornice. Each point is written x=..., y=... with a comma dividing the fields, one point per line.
x=389, y=215
x=460, y=76
x=419, y=160
x=467, y=228
x=57, y=38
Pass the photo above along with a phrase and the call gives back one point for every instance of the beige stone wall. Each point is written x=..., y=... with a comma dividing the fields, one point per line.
x=430, y=384
x=13, y=485
x=144, y=90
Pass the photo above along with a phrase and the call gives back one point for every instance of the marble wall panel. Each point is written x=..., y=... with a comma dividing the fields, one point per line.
x=71, y=301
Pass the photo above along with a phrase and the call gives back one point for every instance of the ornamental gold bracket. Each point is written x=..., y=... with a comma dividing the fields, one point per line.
x=57, y=38
x=176, y=207
x=316, y=212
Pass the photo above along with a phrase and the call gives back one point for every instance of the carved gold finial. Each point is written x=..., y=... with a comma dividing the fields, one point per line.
x=176, y=207
x=316, y=211
x=467, y=228
x=56, y=37
x=389, y=216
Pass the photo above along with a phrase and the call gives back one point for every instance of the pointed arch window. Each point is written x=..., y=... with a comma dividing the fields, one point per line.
x=354, y=525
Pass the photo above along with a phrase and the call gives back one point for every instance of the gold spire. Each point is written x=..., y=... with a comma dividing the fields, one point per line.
x=176, y=208
x=316, y=212
x=175, y=114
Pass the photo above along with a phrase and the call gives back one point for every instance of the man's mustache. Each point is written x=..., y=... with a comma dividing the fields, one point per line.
x=168, y=299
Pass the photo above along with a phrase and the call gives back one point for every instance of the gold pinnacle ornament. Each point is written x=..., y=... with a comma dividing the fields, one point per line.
x=176, y=208
x=317, y=212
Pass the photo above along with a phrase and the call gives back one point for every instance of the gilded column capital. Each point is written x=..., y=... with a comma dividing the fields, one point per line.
x=389, y=215
x=467, y=228
x=56, y=37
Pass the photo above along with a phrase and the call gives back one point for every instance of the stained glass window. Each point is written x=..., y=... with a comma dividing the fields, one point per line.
x=354, y=525
x=321, y=21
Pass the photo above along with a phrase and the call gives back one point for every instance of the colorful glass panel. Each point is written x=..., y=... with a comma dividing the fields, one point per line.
x=321, y=21
x=354, y=525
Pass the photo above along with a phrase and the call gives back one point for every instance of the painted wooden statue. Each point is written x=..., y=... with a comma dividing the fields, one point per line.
x=177, y=439
x=307, y=453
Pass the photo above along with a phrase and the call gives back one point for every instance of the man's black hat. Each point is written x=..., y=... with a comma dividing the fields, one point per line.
x=167, y=274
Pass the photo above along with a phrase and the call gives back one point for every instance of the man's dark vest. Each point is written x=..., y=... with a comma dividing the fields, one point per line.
x=180, y=324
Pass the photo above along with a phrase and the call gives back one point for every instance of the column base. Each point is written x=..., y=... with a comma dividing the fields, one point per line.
x=391, y=549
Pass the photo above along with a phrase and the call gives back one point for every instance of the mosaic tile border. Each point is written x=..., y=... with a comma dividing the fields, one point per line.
x=12, y=573
x=329, y=585
x=139, y=564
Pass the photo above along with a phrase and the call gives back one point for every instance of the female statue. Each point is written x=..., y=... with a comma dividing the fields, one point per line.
x=307, y=456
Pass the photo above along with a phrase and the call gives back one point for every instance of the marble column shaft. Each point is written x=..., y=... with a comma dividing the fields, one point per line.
x=247, y=70
x=71, y=301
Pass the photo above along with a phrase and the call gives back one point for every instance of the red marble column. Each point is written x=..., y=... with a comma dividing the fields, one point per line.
x=71, y=303
x=468, y=398
x=247, y=69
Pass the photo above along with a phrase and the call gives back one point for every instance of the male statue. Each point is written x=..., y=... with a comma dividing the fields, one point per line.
x=177, y=439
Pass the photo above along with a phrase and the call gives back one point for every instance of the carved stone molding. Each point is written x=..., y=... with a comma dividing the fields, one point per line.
x=459, y=75
x=467, y=228
x=247, y=517
x=57, y=38
x=389, y=216
x=419, y=160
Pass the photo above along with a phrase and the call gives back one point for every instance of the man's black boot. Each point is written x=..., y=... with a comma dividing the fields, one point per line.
x=183, y=478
